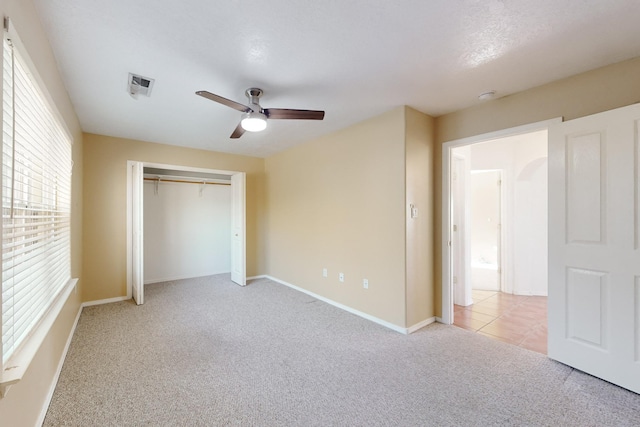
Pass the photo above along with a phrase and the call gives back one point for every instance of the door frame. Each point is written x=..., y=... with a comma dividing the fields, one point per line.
x=135, y=260
x=447, y=155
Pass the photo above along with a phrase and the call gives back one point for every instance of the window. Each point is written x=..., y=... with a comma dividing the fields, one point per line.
x=36, y=203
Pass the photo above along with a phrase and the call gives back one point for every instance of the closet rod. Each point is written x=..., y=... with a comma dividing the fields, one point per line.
x=186, y=182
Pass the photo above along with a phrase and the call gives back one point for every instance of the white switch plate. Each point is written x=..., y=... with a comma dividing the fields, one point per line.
x=324, y=272
x=341, y=277
x=365, y=283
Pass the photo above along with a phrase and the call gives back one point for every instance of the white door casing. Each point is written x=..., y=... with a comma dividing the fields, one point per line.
x=459, y=249
x=594, y=255
x=137, y=206
x=238, y=229
x=447, y=154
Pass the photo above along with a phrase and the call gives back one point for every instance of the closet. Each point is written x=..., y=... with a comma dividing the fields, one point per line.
x=187, y=224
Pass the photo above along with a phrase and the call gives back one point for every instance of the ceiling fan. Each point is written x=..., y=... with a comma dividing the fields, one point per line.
x=254, y=117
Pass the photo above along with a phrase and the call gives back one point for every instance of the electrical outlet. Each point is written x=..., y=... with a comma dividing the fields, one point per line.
x=365, y=283
x=341, y=277
x=324, y=272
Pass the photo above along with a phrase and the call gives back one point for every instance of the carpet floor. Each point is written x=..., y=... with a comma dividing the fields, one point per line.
x=206, y=352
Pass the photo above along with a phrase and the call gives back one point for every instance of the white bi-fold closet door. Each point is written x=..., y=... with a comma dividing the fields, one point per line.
x=594, y=254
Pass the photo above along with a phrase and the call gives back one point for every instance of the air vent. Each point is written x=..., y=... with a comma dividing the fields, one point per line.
x=139, y=85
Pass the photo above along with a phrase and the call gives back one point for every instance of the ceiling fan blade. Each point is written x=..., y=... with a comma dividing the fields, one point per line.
x=224, y=101
x=237, y=133
x=286, y=113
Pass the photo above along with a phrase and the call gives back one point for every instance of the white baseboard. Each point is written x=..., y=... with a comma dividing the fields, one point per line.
x=104, y=301
x=54, y=383
x=421, y=325
x=262, y=276
x=369, y=317
x=441, y=320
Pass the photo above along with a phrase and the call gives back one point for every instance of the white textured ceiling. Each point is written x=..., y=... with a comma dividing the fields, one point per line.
x=352, y=58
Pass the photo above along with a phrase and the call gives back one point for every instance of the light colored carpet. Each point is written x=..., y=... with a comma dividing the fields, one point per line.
x=206, y=352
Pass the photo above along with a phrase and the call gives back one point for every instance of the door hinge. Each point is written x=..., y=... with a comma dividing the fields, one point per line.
x=455, y=227
x=455, y=280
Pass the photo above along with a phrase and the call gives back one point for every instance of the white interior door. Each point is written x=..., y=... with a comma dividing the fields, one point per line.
x=485, y=236
x=594, y=256
x=238, y=229
x=137, y=259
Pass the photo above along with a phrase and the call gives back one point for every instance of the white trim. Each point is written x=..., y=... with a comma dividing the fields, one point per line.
x=54, y=383
x=130, y=164
x=17, y=365
x=420, y=325
x=504, y=133
x=238, y=230
x=439, y=319
x=105, y=301
x=447, y=297
x=189, y=168
x=344, y=307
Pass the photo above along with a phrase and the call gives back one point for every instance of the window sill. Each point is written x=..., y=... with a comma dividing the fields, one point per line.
x=17, y=365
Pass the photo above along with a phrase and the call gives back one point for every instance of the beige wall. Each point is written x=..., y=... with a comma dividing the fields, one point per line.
x=105, y=195
x=419, y=231
x=24, y=402
x=338, y=202
x=592, y=92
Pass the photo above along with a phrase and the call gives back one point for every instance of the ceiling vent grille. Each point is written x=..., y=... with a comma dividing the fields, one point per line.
x=139, y=85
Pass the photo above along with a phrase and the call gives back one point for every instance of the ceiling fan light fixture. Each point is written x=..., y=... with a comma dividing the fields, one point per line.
x=254, y=117
x=254, y=122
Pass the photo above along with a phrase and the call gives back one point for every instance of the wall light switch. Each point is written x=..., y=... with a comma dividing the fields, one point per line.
x=341, y=277
x=324, y=272
x=365, y=283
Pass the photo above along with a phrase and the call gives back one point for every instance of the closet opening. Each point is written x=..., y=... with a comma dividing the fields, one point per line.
x=183, y=223
x=187, y=224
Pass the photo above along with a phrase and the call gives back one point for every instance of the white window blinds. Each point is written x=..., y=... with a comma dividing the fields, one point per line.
x=36, y=203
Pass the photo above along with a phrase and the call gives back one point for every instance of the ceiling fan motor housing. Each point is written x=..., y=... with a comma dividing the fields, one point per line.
x=254, y=95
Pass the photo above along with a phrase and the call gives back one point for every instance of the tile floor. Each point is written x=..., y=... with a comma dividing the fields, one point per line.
x=517, y=319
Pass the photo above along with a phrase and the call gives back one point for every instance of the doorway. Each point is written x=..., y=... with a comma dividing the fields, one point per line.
x=495, y=229
x=135, y=221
